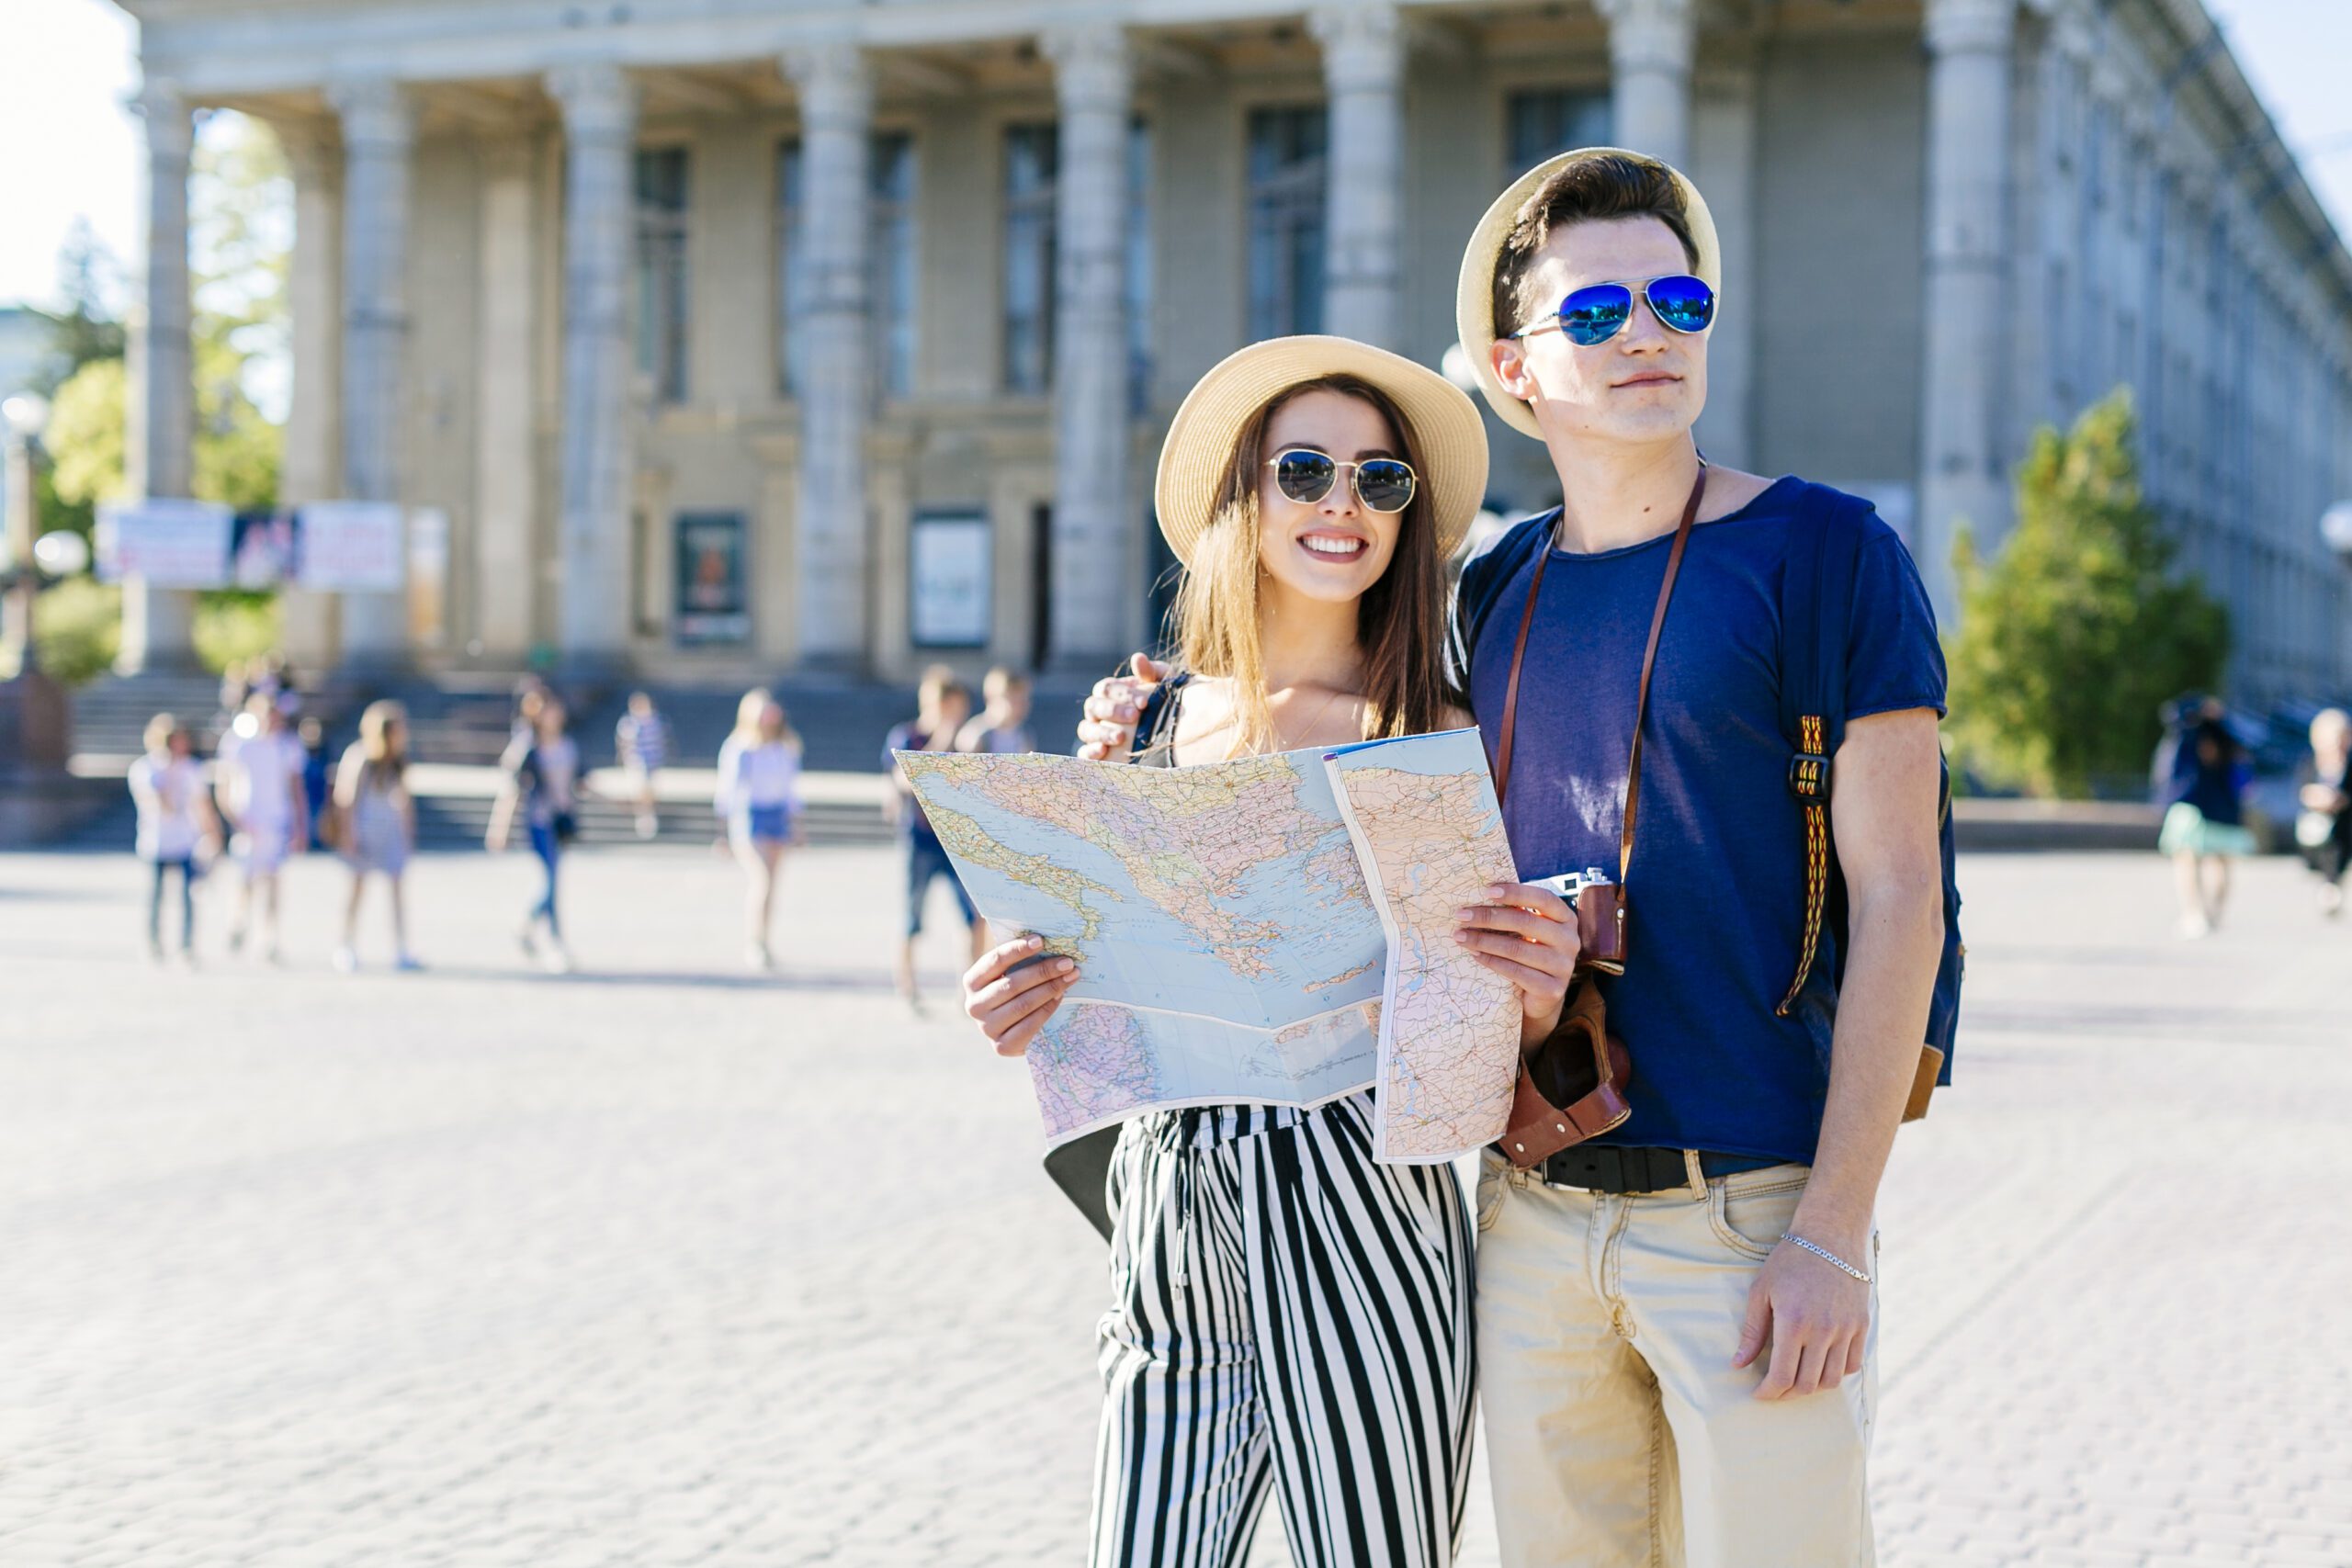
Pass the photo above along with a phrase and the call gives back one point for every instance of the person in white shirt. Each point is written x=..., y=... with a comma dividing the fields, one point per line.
x=759, y=799
x=375, y=823
x=259, y=780
x=642, y=740
x=176, y=823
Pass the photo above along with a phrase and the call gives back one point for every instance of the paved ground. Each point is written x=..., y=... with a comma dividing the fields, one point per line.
x=659, y=1264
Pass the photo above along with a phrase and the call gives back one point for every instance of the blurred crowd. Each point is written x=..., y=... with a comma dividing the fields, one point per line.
x=270, y=791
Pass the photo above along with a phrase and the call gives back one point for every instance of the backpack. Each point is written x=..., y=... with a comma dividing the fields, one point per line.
x=1817, y=589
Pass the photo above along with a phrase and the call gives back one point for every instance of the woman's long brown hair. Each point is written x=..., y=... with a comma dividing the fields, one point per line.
x=1399, y=620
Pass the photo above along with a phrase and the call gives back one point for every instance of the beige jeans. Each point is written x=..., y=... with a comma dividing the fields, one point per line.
x=1617, y=1433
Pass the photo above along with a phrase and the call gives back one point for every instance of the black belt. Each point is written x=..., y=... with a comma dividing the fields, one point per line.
x=1600, y=1167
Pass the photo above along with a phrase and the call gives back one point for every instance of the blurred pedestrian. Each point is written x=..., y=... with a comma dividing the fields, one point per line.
x=543, y=786
x=233, y=692
x=2204, y=827
x=375, y=824
x=759, y=799
x=1002, y=723
x=175, y=824
x=942, y=706
x=316, y=781
x=259, y=782
x=531, y=691
x=2324, y=825
x=641, y=739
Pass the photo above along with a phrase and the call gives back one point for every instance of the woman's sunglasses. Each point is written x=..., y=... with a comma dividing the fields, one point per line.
x=1383, y=485
x=1593, y=315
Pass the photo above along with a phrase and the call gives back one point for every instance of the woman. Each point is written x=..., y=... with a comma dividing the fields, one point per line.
x=2323, y=826
x=543, y=784
x=375, y=824
x=1289, y=1315
x=176, y=823
x=2204, y=827
x=759, y=799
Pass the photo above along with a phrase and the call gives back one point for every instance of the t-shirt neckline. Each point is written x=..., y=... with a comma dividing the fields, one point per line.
x=1552, y=521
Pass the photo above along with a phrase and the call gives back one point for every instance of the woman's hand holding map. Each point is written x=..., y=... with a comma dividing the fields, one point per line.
x=1527, y=936
x=1012, y=1004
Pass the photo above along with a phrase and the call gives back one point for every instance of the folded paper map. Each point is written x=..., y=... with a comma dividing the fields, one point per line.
x=1245, y=934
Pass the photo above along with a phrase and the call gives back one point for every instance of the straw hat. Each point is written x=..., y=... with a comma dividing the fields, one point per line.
x=1448, y=435
x=1474, y=304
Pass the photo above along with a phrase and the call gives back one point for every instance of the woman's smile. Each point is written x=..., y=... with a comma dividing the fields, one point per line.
x=1328, y=543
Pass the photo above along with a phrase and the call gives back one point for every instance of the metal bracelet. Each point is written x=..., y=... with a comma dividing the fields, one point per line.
x=1827, y=1256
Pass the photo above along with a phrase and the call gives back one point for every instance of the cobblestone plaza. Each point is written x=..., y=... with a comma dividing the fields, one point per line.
x=660, y=1263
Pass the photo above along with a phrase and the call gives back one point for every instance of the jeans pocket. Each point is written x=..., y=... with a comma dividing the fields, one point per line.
x=1748, y=1212
x=1493, y=1177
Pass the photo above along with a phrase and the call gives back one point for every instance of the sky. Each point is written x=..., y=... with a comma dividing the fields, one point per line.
x=74, y=150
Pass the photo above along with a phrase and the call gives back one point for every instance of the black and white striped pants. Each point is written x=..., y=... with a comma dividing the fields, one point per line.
x=1291, y=1316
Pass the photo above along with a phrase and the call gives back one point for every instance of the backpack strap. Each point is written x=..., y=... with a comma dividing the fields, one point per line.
x=1817, y=584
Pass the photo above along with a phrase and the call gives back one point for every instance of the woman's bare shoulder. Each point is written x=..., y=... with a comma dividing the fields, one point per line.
x=1452, y=717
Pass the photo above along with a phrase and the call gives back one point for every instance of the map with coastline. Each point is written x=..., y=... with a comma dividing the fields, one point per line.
x=1231, y=946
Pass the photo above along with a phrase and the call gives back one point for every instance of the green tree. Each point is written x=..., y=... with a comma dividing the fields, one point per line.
x=84, y=329
x=2079, y=628
x=241, y=240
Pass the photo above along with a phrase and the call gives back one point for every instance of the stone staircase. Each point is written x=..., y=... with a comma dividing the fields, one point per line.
x=460, y=724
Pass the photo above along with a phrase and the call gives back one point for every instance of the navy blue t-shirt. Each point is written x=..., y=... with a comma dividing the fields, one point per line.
x=1715, y=898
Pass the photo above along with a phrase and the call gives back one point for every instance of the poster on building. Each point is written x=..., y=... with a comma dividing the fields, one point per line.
x=263, y=549
x=170, y=544
x=428, y=576
x=351, y=546
x=948, y=576
x=713, y=593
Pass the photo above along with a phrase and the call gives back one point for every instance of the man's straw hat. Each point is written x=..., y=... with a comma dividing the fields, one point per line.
x=1473, y=294
x=1448, y=437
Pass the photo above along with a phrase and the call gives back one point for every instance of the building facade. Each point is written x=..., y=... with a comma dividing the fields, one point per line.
x=728, y=335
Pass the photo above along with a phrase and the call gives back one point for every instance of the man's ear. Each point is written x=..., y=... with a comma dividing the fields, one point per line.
x=1509, y=357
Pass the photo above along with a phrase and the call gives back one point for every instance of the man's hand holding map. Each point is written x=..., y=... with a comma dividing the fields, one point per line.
x=1277, y=930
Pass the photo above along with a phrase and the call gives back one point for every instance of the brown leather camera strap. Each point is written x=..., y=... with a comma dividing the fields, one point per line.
x=1642, y=695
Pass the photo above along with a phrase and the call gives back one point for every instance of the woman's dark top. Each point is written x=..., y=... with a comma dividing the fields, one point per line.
x=2213, y=788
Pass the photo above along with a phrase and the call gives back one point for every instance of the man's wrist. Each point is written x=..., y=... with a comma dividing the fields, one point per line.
x=1829, y=1226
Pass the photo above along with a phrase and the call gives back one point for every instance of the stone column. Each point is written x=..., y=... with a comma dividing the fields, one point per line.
x=1723, y=163
x=506, y=466
x=1651, y=43
x=159, y=449
x=599, y=104
x=1363, y=67
x=1962, y=479
x=378, y=134
x=313, y=421
x=829, y=322
x=1093, y=585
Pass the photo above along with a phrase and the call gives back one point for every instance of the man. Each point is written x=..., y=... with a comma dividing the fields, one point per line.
x=1676, y=1320
x=1002, y=723
x=943, y=704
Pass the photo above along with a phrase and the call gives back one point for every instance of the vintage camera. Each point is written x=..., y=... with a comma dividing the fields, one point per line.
x=1568, y=884
x=1600, y=904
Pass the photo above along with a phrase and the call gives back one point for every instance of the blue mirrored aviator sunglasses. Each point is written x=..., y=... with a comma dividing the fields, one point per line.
x=1593, y=315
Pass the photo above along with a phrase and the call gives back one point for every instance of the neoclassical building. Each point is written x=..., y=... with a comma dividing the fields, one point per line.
x=716, y=335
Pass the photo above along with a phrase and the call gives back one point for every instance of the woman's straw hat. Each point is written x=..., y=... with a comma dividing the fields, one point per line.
x=1448, y=435
x=1474, y=295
